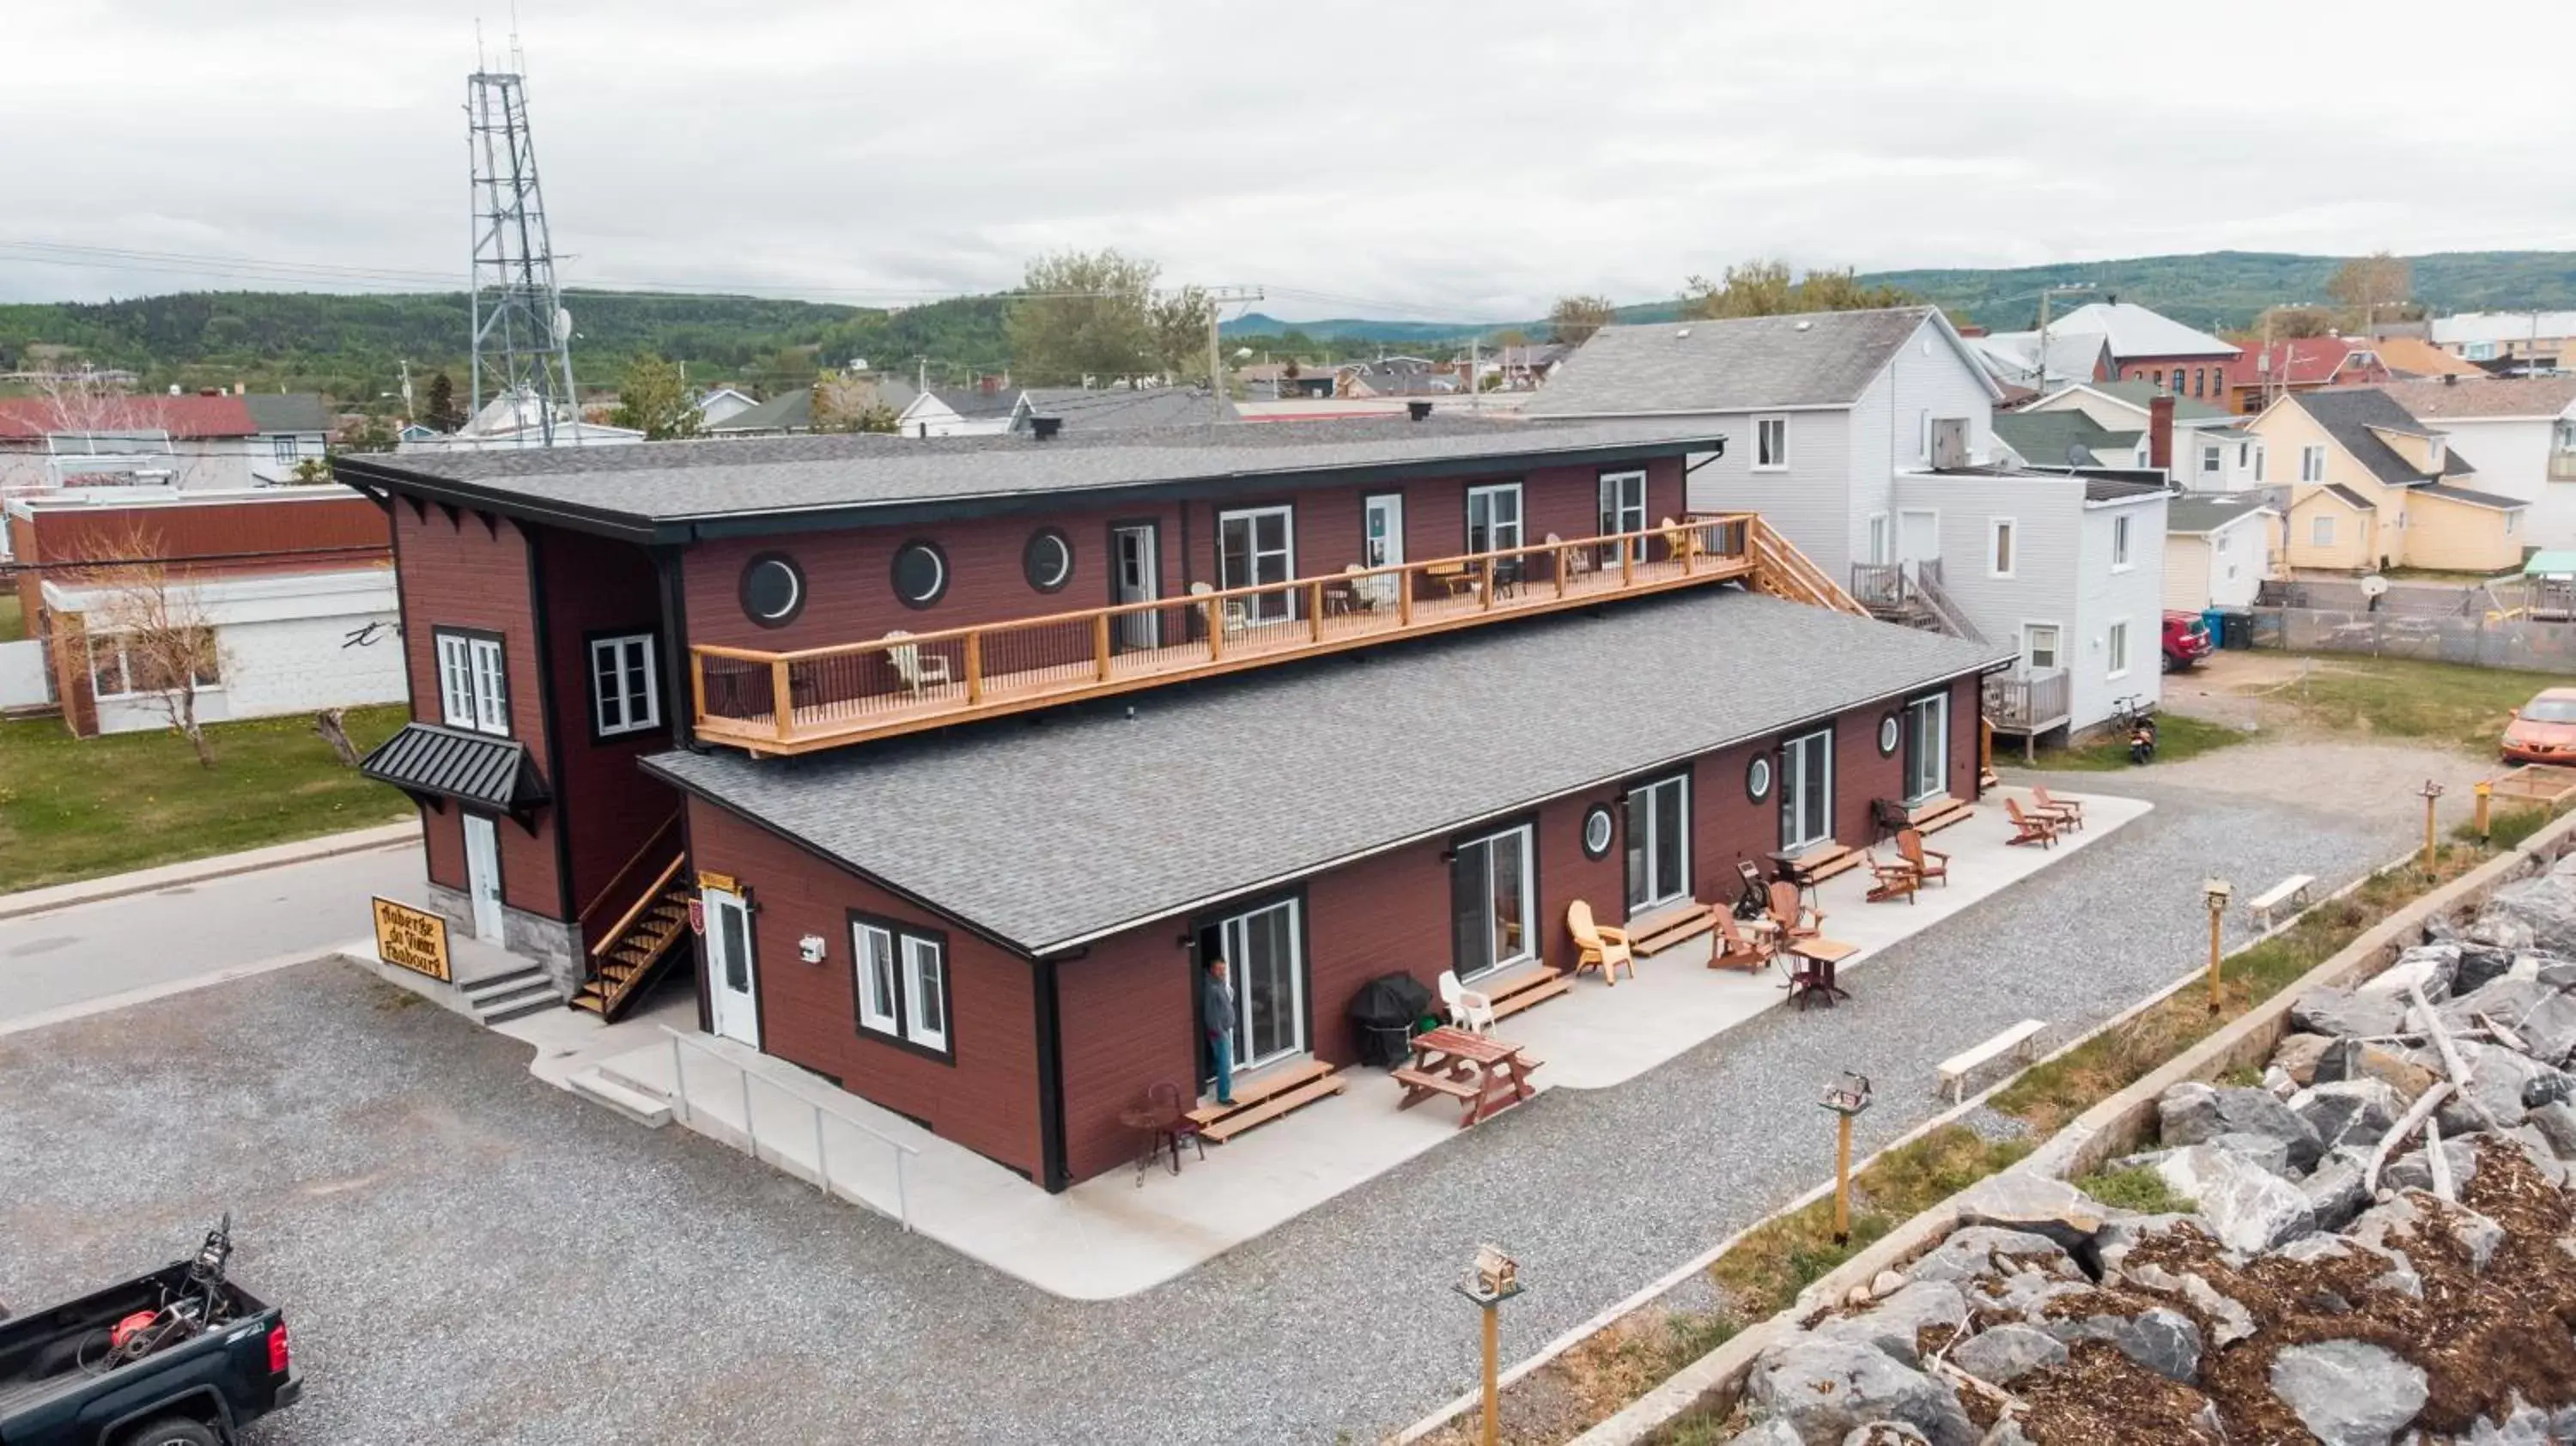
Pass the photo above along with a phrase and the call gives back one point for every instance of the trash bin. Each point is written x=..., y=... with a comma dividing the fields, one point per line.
x=2240, y=626
x=2214, y=623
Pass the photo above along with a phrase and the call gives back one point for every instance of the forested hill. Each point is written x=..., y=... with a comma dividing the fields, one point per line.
x=2218, y=289
x=349, y=346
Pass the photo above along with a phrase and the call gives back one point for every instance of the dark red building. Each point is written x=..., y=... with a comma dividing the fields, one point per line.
x=970, y=750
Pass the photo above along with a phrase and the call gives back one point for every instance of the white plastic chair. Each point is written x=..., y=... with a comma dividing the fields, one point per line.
x=917, y=671
x=1235, y=615
x=1468, y=1009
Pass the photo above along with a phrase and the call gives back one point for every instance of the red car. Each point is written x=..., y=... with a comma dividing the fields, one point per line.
x=2186, y=641
x=2543, y=730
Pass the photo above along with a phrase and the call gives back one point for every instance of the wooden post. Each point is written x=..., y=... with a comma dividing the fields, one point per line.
x=698, y=686
x=1627, y=560
x=1485, y=582
x=974, y=669
x=2431, y=791
x=782, y=700
x=1404, y=598
x=1493, y=1390
x=1842, y=1178
x=2486, y=795
x=1689, y=541
x=1100, y=644
x=1563, y=554
x=1215, y=628
x=1315, y=611
x=2215, y=917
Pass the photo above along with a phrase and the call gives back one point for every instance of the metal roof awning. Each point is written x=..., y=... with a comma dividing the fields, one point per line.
x=434, y=764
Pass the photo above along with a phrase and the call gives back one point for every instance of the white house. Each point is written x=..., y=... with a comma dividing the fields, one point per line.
x=721, y=405
x=2522, y=431
x=294, y=428
x=1867, y=437
x=2212, y=449
x=964, y=412
x=2531, y=339
x=2218, y=550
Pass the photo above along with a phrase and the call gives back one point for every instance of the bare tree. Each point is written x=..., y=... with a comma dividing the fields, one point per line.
x=146, y=632
x=2369, y=285
x=1574, y=318
x=84, y=403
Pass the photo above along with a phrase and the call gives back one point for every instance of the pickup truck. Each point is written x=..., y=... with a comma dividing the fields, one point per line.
x=134, y=1364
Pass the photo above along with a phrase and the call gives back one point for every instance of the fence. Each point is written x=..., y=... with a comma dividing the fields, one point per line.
x=2474, y=641
x=815, y=1111
x=23, y=680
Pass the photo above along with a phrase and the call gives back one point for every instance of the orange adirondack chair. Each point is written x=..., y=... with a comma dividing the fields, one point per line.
x=1737, y=951
x=1891, y=881
x=2036, y=828
x=1795, y=919
x=1598, y=946
x=1929, y=863
x=2070, y=814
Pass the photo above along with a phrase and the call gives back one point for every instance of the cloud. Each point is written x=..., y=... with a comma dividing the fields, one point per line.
x=1425, y=159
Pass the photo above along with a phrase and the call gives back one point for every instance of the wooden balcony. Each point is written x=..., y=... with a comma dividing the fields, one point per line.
x=903, y=683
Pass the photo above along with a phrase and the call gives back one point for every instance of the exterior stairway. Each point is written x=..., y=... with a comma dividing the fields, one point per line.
x=1910, y=593
x=639, y=946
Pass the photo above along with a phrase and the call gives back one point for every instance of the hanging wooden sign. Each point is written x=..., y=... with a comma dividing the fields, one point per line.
x=416, y=939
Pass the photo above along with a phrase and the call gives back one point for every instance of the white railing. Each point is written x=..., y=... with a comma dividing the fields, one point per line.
x=751, y=1126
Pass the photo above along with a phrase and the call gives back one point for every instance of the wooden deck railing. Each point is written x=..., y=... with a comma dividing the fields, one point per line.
x=2028, y=702
x=902, y=682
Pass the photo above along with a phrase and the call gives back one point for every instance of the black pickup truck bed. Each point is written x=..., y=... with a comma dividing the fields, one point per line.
x=53, y=1391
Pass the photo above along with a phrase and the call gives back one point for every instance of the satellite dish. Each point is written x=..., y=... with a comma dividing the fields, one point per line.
x=2374, y=586
x=563, y=325
x=2077, y=456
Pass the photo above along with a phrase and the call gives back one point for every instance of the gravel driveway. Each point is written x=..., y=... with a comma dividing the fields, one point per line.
x=471, y=1256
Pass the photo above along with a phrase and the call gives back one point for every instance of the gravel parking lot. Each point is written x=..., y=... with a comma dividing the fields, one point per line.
x=472, y=1256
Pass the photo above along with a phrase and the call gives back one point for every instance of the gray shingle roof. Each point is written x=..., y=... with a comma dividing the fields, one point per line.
x=288, y=412
x=738, y=477
x=2199, y=514
x=1101, y=409
x=427, y=759
x=2471, y=496
x=1736, y=365
x=786, y=412
x=2112, y=489
x=1047, y=833
x=2348, y=414
x=2352, y=499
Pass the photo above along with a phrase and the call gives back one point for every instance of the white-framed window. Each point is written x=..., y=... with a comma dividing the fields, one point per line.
x=1771, y=444
x=1658, y=854
x=2002, y=539
x=2312, y=463
x=1807, y=790
x=473, y=682
x=2478, y=351
x=2512, y=522
x=2120, y=544
x=119, y=668
x=2039, y=646
x=1494, y=517
x=2258, y=464
x=2115, y=650
x=284, y=449
x=901, y=983
x=2321, y=530
x=1623, y=509
x=2212, y=459
x=625, y=696
x=1493, y=896
x=2244, y=453
x=1257, y=547
x=1878, y=549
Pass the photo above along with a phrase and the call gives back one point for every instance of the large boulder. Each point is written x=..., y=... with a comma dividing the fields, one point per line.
x=2542, y=1017
x=1825, y=1388
x=2536, y=913
x=2349, y=1393
x=1884, y=1433
x=2556, y=1123
x=2248, y=1207
x=2429, y=967
x=2003, y=1353
x=1770, y=1433
x=1893, y=1324
x=2194, y=1113
x=2334, y=1189
x=1987, y=1251
x=2409, y=1169
x=2480, y=965
x=2349, y=1111
x=2337, y=1012
x=2022, y=1200
x=2162, y=1340
x=2296, y=1056
x=2497, y=1079
x=2351, y=1059
x=2413, y=1215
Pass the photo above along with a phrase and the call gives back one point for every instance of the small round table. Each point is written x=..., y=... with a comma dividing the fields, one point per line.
x=1163, y=1130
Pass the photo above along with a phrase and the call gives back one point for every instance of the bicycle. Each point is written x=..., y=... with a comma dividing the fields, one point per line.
x=2134, y=717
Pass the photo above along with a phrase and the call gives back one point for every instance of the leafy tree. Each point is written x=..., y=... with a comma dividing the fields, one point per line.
x=653, y=400
x=443, y=414
x=1511, y=336
x=2292, y=323
x=1574, y=318
x=1768, y=288
x=2368, y=285
x=1084, y=314
x=373, y=434
x=844, y=402
x=1181, y=320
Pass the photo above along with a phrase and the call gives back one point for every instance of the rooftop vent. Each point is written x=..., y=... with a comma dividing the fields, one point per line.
x=1045, y=427
x=1805, y=326
x=1417, y=410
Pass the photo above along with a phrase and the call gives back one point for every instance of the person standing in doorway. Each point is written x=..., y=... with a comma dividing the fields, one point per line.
x=1216, y=1012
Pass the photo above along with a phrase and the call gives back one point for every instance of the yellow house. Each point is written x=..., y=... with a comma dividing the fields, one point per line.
x=2371, y=487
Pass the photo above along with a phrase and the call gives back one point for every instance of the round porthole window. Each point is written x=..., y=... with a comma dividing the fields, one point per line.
x=1048, y=559
x=773, y=590
x=920, y=573
x=1887, y=735
x=1596, y=831
x=1757, y=777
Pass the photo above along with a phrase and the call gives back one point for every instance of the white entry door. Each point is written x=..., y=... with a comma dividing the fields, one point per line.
x=1382, y=542
x=1136, y=578
x=1918, y=536
x=483, y=876
x=732, y=994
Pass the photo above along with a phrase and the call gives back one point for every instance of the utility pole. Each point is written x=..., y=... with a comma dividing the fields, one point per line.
x=1220, y=296
x=1475, y=365
x=2040, y=371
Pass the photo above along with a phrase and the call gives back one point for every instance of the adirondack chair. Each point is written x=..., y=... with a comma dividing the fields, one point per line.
x=916, y=671
x=1598, y=946
x=1929, y=863
x=1737, y=950
x=2030, y=827
x=1681, y=541
x=1468, y=1009
x=1236, y=617
x=1795, y=919
x=2069, y=813
x=1890, y=880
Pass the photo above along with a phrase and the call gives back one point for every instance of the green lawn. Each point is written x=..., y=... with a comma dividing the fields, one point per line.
x=75, y=808
x=2399, y=698
x=12, y=626
x=2177, y=738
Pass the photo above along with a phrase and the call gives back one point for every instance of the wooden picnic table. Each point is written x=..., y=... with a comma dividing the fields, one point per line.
x=1486, y=1074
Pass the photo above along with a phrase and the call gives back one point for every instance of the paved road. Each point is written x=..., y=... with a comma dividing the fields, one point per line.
x=475, y=1257
x=91, y=951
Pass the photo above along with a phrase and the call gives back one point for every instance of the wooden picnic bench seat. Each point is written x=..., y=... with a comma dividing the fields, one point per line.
x=1666, y=927
x=1443, y=1084
x=2016, y=1040
x=2292, y=890
x=1527, y=991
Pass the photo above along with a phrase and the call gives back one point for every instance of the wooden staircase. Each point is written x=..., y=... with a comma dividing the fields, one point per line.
x=1277, y=1092
x=1781, y=570
x=637, y=947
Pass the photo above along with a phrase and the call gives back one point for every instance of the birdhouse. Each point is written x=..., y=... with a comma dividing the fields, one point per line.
x=1848, y=1095
x=1496, y=1273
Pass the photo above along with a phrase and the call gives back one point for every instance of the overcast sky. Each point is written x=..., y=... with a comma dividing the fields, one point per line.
x=1401, y=158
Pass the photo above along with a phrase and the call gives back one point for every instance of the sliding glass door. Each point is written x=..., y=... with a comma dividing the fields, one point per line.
x=1257, y=547
x=1493, y=888
x=1807, y=790
x=1658, y=844
x=1927, y=747
x=1623, y=509
x=1265, y=961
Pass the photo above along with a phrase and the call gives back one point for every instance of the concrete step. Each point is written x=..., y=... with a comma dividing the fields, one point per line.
x=649, y=1110
x=494, y=1001
x=509, y=983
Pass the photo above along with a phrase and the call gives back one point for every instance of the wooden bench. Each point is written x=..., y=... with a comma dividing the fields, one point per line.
x=2014, y=1041
x=1664, y=928
x=1935, y=814
x=1534, y=988
x=1824, y=861
x=1274, y=1093
x=2292, y=890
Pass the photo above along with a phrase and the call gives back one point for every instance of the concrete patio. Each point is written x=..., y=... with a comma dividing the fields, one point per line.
x=1118, y=1234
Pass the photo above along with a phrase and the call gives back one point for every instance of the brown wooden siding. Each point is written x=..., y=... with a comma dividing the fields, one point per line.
x=986, y=1099
x=468, y=573
x=606, y=806
x=342, y=530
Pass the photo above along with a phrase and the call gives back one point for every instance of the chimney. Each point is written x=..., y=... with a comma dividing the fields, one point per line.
x=2160, y=432
x=1417, y=410
x=2450, y=379
x=1045, y=428
x=989, y=385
